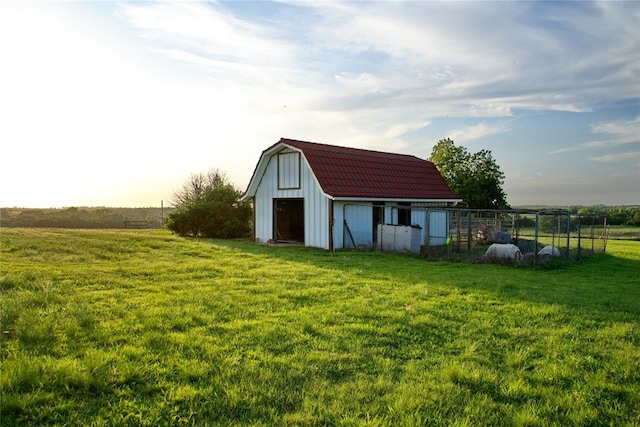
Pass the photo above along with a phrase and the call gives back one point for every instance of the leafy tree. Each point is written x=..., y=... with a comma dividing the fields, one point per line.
x=476, y=177
x=207, y=206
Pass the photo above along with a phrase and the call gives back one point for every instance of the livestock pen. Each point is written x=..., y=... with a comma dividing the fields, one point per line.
x=467, y=233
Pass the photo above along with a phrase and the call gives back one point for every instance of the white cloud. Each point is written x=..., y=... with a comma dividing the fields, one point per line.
x=631, y=156
x=207, y=28
x=480, y=130
x=614, y=133
x=625, y=130
x=363, y=83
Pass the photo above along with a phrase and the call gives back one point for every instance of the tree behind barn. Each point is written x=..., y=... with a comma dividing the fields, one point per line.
x=476, y=177
x=207, y=206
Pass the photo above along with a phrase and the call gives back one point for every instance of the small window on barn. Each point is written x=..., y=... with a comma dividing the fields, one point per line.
x=288, y=170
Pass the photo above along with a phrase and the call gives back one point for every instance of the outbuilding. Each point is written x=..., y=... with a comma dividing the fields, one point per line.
x=330, y=197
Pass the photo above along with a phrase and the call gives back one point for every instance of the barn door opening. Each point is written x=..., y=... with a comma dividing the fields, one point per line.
x=288, y=220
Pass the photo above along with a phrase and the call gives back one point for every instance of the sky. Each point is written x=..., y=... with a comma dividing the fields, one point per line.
x=118, y=103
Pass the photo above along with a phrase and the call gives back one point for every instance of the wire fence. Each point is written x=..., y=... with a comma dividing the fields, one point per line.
x=435, y=232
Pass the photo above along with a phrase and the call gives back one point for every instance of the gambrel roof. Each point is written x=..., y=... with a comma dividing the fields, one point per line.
x=353, y=173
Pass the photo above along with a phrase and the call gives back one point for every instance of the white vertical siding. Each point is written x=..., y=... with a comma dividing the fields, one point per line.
x=391, y=213
x=289, y=170
x=338, y=220
x=316, y=205
x=388, y=215
x=438, y=222
x=359, y=218
x=438, y=228
x=263, y=203
x=419, y=217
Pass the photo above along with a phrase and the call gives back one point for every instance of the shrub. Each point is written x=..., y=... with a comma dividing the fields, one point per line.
x=213, y=212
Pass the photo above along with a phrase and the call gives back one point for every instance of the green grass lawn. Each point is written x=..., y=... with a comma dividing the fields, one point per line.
x=140, y=327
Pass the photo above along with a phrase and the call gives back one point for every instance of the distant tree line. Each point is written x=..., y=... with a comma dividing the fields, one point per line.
x=615, y=215
x=82, y=217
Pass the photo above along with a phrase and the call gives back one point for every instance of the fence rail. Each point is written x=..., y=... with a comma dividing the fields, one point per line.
x=136, y=224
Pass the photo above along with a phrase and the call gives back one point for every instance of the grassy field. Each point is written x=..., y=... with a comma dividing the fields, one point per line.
x=145, y=328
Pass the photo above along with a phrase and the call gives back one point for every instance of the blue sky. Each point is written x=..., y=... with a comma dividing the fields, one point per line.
x=117, y=103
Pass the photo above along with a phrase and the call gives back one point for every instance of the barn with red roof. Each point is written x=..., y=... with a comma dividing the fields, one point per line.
x=331, y=197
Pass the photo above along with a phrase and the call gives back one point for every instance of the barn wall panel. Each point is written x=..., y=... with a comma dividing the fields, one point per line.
x=438, y=227
x=359, y=219
x=338, y=220
x=316, y=205
x=288, y=170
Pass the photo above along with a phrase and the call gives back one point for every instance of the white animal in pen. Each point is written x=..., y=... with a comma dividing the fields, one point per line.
x=549, y=250
x=500, y=251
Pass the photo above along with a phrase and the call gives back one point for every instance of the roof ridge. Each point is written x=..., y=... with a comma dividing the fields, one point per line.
x=360, y=150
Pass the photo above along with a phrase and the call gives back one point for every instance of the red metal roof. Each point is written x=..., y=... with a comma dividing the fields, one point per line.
x=352, y=172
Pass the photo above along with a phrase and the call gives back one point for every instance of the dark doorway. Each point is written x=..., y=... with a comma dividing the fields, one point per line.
x=378, y=218
x=404, y=213
x=288, y=220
